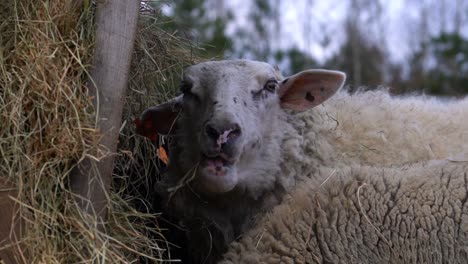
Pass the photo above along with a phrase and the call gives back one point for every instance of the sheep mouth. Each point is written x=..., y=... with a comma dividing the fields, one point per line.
x=217, y=165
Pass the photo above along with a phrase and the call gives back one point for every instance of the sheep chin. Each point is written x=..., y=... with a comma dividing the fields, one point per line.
x=217, y=180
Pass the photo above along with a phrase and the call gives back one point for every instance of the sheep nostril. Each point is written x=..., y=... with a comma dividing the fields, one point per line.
x=211, y=132
x=235, y=132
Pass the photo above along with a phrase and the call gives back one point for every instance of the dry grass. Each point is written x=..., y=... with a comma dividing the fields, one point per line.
x=47, y=125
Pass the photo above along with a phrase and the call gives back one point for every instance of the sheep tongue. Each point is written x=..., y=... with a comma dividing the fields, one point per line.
x=216, y=162
x=216, y=166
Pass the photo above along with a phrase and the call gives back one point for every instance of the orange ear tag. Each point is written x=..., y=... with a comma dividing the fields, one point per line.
x=162, y=155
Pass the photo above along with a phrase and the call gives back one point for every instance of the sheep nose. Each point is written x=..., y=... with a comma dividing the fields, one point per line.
x=211, y=132
x=222, y=134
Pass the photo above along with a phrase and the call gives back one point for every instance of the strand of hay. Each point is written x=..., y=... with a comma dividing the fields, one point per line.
x=47, y=125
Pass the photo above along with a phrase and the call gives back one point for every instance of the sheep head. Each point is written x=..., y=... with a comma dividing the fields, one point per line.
x=228, y=125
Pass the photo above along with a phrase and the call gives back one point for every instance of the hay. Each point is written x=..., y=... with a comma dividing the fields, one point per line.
x=47, y=125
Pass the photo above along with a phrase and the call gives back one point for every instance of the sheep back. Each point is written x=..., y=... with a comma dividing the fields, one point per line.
x=374, y=128
x=360, y=214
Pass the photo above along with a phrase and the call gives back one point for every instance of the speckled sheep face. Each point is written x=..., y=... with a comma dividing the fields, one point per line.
x=231, y=120
x=229, y=109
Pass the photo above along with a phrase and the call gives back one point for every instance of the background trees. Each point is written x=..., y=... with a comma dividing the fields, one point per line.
x=407, y=45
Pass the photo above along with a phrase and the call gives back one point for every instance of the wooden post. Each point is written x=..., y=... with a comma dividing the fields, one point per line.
x=10, y=222
x=115, y=35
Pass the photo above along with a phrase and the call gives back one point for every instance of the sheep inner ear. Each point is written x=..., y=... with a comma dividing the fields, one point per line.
x=310, y=88
x=159, y=119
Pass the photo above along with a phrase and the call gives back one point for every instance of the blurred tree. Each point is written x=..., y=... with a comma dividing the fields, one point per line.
x=255, y=41
x=362, y=60
x=435, y=65
x=449, y=73
x=362, y=56
x=438, y=67
x=416, y=66
x=294, y=61
x=203, y=22
x=262, y=41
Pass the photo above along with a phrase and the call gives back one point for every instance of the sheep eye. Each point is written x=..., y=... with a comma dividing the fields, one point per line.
x=271, y=85
x=186, y=89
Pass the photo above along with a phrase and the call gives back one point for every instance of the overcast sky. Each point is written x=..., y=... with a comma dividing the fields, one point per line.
x=304, y=23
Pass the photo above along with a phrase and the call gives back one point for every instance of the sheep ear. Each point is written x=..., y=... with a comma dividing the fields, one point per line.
x=309, y=88
x=159, y=119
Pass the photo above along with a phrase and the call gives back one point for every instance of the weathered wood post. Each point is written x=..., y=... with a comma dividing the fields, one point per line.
x=10, y=223
x=115, y=35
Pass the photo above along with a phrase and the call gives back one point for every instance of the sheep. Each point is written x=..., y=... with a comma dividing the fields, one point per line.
x=242, y=138
x=411, y=214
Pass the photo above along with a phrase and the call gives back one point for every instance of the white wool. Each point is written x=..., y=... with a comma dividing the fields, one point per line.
x=374, y=128
x=410, y=214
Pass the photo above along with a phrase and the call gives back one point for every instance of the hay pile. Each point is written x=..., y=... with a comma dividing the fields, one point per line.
x=47, y=125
